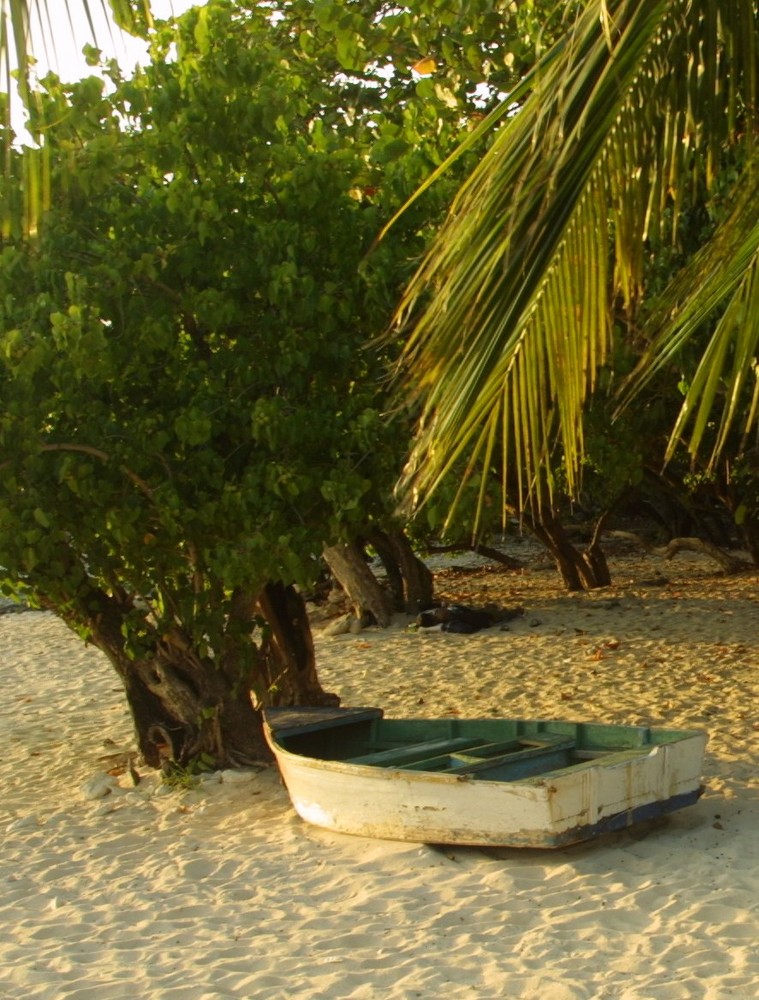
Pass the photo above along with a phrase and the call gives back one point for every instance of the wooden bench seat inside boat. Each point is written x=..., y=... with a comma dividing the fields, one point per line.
x=399, y=756
x=462, y=763
x=464, y=755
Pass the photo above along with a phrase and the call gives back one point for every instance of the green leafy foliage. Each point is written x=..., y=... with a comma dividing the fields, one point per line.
x=189, y=407
x=186, y=777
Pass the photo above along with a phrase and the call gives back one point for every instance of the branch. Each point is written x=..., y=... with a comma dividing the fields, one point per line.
x=87, y=449
x=729, y=563
x=479, y=549
x=190, y=323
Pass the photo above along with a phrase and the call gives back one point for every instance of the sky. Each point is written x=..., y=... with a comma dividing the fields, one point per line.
x=72, y=33
x=65, y=57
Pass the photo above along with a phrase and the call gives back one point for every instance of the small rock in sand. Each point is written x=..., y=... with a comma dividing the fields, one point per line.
x=98, y=786
x=341, y=625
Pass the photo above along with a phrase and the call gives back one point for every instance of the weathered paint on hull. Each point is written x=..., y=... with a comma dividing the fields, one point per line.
x=551, y=810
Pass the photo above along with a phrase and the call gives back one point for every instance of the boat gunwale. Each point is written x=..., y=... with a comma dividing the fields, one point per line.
x=616, y=757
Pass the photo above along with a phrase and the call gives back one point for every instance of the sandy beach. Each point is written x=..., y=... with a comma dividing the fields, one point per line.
x=222, y=892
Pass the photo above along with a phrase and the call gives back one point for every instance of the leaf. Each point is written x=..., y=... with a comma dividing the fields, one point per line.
x=41, y=517
x=446, y=96
x=425, y=66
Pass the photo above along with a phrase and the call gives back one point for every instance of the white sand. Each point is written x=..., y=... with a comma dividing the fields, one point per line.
x=224, y=893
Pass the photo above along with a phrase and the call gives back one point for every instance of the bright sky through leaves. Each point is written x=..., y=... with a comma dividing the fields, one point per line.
x=66, y=58
x=57, y=42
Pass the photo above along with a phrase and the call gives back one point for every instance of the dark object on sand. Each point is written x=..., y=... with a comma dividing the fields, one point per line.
x=464, y=620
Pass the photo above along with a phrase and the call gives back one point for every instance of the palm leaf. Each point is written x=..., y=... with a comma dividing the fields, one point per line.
x=509, y=315
x=722, y=279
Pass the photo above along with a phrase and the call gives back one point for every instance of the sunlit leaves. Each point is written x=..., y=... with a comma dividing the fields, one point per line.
x=195, y=374
x=510, y=314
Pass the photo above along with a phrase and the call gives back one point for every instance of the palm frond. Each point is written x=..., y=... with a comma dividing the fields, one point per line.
x=723, y=280
x=509, y=316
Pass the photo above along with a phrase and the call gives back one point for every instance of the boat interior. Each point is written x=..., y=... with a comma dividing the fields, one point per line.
x=486, y=749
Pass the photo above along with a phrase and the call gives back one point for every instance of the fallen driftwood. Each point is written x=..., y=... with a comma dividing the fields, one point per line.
x=730, y=564
x=487, y=551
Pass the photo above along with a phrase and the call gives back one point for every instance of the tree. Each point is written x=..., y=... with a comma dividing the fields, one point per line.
x=189, y=412
x=545, y=245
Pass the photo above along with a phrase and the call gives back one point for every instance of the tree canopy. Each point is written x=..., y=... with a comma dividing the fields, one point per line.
x=190, y=411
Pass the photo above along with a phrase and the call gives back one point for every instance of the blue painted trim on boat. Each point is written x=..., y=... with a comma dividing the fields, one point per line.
x=622, y=820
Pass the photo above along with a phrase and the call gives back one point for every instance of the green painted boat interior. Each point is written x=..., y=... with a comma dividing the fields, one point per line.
x=486, y=749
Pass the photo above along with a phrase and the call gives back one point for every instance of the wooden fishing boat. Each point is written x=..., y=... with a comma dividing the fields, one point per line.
x=495, y=782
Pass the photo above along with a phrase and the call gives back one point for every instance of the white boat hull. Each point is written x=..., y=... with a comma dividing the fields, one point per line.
x=547, y=810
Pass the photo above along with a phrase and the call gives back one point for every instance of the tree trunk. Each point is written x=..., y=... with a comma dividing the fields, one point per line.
x=187, y=703
x=183, y=706
x=594, y=555
x=481, y=550
x=381, y=543
x=347, y=563
x=288, y=650
x=411, y=581
x=579, y=571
